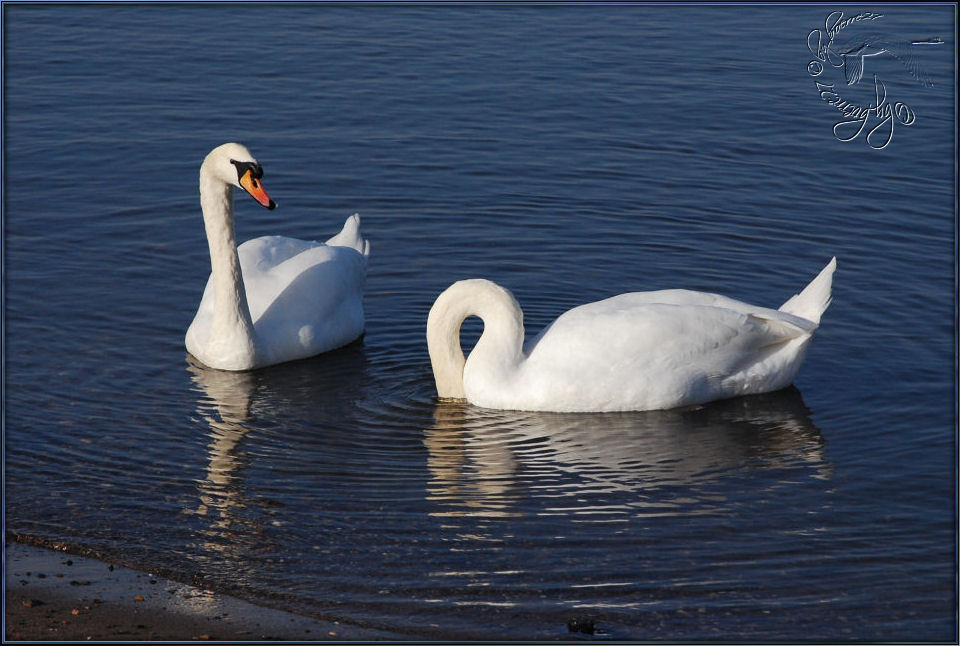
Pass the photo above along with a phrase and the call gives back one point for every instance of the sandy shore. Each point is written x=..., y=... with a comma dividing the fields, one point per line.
x=52, y=595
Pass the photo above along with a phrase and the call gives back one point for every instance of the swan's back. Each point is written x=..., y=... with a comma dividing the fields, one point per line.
x=659, y=350
x=274, y=265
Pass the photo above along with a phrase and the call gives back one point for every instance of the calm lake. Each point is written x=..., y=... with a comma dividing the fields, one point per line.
x=569, y=153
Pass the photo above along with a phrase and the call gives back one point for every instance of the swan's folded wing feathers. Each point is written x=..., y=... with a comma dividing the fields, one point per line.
x=712, y=340
x=272, y=264
x=266, y=252
x=783, y=326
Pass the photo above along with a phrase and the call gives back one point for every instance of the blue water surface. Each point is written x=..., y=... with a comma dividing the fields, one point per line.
x=569, y=153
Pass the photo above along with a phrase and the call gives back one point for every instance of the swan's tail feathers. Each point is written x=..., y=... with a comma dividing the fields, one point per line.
x=815, y=297
x=350, y=236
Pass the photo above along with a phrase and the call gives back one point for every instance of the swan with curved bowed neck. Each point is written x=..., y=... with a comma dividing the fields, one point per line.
x=637, y=351
x=272, y=299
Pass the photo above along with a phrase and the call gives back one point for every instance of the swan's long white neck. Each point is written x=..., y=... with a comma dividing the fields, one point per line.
x=500, y=346
x=231, y=331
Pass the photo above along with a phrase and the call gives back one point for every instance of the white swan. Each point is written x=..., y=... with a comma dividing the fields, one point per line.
x=272, y=299
x=637, y=351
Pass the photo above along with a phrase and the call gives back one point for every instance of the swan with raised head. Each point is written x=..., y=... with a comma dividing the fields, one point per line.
x=273, y=298
x=637, y=351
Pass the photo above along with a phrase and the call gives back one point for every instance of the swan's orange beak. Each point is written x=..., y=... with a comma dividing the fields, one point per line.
x=253, y=186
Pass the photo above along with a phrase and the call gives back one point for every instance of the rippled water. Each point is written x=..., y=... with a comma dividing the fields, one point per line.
x=568, y=153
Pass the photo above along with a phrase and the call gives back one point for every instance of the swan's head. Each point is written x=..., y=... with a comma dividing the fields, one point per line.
x=233, y=164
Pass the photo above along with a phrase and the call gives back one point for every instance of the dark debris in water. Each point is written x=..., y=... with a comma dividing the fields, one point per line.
x=583, y=625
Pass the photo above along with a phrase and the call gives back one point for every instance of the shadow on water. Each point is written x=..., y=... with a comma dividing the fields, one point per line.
x=483, y=462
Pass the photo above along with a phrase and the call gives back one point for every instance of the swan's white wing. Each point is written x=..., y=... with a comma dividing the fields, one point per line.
x=644, y=317
x=654, y=350
x=304, y=297
x=618, y=334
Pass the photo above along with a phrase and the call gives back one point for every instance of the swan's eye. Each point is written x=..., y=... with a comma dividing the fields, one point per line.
x=244, y=167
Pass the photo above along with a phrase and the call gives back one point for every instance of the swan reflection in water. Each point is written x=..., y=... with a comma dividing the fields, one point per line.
x=486, y=462
x=226, y=408
x=272, y=404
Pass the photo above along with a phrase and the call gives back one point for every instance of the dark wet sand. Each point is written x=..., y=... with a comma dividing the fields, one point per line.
x=52, y=595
